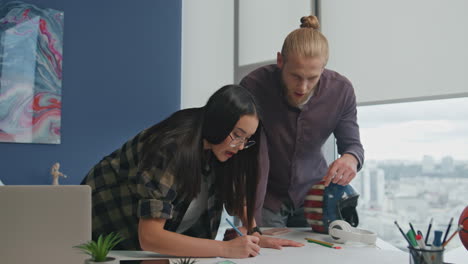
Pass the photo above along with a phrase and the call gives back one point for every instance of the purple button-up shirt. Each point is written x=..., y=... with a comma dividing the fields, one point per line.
x=291, y=161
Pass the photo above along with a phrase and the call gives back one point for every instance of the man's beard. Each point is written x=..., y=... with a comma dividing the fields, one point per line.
x=285, y=93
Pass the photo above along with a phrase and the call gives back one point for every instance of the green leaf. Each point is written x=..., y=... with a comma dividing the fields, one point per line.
x=99, y=249
x=186, y=261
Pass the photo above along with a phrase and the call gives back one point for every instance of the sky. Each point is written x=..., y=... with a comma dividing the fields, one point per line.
x=408, y=131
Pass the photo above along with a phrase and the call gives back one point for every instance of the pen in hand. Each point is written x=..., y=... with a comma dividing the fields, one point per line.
x=237, y=230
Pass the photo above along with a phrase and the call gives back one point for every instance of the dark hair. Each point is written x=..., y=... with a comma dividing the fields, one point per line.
x=181, y=136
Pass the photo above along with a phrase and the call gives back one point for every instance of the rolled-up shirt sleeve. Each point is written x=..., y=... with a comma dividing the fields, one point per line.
x=156, y=192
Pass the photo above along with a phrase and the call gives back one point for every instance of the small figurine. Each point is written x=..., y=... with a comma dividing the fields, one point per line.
x=54, y=171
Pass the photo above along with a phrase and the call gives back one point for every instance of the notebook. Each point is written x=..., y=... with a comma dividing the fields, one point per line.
x=41, y=224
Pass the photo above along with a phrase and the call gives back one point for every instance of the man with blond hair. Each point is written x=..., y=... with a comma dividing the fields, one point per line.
x=302, y=103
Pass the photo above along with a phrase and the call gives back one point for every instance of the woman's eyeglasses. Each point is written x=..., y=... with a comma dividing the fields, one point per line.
x=236, y=141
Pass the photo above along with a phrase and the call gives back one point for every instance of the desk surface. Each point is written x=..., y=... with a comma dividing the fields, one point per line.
x=350, y=253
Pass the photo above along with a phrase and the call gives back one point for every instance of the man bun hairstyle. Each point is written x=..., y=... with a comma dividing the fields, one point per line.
x=310, y=22
x=306, y=41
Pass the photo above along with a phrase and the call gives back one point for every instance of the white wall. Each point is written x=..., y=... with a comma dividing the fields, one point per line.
x=391, y=50
x=208, y=44
x=263, y=25
x=207, y=49
x=399, y=50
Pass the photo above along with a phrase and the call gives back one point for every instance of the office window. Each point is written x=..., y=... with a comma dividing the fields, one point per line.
x=416, y=166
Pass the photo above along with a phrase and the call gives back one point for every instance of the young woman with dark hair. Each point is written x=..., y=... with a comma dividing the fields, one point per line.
x=164, y=190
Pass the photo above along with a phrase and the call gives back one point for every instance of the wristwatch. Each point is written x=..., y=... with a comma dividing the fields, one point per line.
x=255, y=229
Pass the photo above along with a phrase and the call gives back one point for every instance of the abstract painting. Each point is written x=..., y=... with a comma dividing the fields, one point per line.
x=30, y=73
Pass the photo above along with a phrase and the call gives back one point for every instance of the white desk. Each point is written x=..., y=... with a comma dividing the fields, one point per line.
x=351, y=253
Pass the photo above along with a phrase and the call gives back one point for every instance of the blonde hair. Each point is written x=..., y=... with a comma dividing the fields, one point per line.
x=306, y=41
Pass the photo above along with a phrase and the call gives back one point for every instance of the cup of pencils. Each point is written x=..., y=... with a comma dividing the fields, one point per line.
x=423, y=253
x=426, y=256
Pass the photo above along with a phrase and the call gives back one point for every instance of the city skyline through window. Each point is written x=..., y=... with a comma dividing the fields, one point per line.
x=416, y=166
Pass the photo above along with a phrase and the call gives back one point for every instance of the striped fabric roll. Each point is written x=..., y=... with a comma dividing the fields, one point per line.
x=313, y=207
x=323, y=205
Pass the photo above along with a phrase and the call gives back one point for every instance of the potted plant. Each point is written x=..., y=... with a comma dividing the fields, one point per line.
x=99, y=249
x=186, y=261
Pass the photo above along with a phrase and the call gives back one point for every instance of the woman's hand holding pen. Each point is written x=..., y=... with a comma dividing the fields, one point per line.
x=242, y=247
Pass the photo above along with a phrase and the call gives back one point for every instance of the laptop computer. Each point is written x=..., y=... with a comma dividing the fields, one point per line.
x=41, y=224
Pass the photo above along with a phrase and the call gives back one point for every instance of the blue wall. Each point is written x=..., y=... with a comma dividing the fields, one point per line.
x=121, y=74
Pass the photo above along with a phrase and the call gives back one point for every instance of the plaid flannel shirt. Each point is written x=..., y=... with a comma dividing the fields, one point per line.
x=121, y=194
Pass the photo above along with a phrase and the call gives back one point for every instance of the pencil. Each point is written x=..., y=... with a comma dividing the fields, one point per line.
x=460, y=227
x=235, y=228
x=412, y=252
x=322, y=243
x=428, y=230
x=448, y=230
x=412, y=228
x=403, y=233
